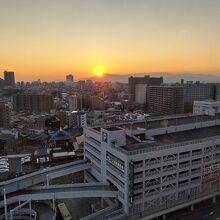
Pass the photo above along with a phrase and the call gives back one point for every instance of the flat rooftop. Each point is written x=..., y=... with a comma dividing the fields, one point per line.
x=159, y=121
x=177, y=137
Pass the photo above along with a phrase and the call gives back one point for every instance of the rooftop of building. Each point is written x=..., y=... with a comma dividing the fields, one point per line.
x=140, y=142
x=177, y=137
x=159, y=121
x=60, y=135
x=167, y=86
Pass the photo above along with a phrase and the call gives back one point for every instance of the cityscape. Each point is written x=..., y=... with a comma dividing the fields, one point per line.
x=109, y=110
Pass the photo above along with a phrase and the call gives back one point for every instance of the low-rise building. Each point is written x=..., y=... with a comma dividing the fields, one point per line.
x=209, y=107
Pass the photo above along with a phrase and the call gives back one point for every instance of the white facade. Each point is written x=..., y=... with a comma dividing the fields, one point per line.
x=76, y=119
x=152, y=171
x=140, y=93
x=206, y=107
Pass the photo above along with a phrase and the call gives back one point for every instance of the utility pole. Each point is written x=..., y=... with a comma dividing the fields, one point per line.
x=5, y=205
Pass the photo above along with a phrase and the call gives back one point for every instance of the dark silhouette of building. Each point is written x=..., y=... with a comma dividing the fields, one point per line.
x=4, y=115
x=32, y=103
x=81, y=85
x=199, y=92
x=52, y=123
x=62, y=139
x=1, y=82
x=133, y=83
x=9, y=78
x=69, y=79
x=165, y=100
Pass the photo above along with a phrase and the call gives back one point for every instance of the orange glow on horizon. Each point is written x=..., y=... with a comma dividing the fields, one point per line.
x=99, y=71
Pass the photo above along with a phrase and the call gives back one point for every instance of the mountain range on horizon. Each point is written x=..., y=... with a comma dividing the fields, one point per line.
x=168, y=77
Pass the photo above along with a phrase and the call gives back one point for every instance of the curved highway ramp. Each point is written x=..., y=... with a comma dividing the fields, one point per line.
x=44, y=175
x=65, y=191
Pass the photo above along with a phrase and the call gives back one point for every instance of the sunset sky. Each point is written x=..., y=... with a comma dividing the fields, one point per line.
x=48, y=39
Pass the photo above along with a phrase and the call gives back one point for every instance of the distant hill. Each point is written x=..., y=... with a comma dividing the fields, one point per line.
x=168, y=77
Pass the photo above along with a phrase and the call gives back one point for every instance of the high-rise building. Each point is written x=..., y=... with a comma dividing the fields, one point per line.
x=81, y=85
x=165, y=100
x=140, y=94
x=97, y=103
x=136, y=86
x=199, y=92
x=85, y=101
x=32, y=103
x=69, y=79
x=9, y=78
x=4, y=115
x=76, y=119
x=74, y=103
x=1, y=82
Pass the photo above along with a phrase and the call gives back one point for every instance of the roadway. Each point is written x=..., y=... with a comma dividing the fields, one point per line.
x=64, y=191
x=44, y=175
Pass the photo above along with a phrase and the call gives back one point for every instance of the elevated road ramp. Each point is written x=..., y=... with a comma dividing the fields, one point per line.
x=40, y=176
x=66, y=191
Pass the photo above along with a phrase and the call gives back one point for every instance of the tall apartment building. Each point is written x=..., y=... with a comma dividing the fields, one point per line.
x=165, y=100
x=9, y=78
x=156, y=164
x=136, y=86
x=81, y=85
x=76, y=119
x=199, y=92
x=4, y=115
x=97, y=103
x=32, y=103
x=86, y=101
x=1, y=83
x=73, y=103
x=69, y=79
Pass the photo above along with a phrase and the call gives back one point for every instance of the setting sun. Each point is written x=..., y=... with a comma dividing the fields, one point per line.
x=99, y=71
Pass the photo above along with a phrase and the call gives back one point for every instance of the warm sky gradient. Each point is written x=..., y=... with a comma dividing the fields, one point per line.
x=49, y=38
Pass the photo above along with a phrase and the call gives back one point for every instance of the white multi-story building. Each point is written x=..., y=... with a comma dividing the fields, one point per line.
x=206, y=107
x=76, y=119
x=157, y=163
x=140, y=93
